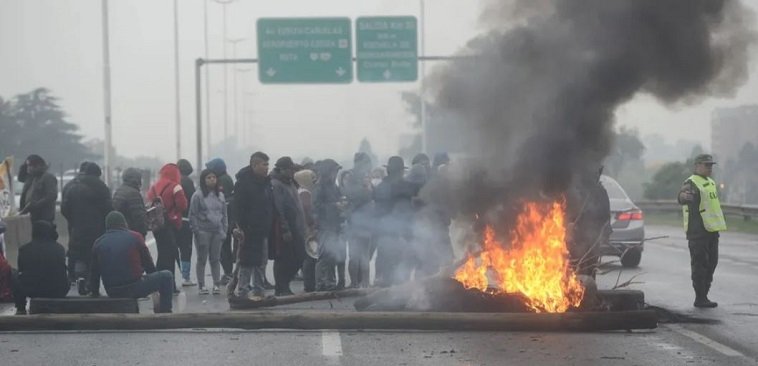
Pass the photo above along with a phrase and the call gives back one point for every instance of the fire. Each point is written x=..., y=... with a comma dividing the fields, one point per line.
x=535, y=264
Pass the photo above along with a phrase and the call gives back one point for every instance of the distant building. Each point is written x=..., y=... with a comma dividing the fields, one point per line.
x=731, y=129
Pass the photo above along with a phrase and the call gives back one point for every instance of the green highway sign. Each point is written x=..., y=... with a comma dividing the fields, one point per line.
x=305, y=50
x=387, y=49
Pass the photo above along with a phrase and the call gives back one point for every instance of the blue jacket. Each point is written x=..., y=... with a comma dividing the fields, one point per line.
x=119, y=257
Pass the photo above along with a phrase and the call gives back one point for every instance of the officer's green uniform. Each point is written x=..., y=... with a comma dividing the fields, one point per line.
x=703, y=220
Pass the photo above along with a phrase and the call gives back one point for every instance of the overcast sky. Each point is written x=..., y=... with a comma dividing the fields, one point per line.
x=57, y=44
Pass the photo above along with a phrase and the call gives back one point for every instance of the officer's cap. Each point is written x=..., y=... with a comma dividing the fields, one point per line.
x=704, y=159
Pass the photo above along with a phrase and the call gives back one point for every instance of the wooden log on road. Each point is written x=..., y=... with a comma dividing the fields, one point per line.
x=241, y=303
x=470, y=322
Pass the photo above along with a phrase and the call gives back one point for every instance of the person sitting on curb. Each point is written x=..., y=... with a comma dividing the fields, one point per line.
x=120, y=257
x=41, y=267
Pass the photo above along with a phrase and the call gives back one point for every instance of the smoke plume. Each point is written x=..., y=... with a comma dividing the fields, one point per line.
x=537, y=97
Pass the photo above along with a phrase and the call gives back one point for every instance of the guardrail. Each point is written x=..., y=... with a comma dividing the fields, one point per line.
x=747, y=212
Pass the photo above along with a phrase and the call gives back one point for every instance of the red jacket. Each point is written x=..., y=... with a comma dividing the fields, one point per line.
x=174, y=200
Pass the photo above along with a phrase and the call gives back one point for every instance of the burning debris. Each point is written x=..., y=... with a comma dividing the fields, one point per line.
x=534, y=263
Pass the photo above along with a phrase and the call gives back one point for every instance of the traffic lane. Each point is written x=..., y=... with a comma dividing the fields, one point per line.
x=664, y=274
x=199, y=347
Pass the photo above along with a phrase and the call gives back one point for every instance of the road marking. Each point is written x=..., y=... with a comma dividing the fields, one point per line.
x=697, y=337
x=331, y=344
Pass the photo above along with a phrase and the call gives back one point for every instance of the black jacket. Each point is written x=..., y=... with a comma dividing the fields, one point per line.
x=128, y=200
x=253, y=205
x=39, y=196
x=86, y=201
x=188, y=186
x=42, y=268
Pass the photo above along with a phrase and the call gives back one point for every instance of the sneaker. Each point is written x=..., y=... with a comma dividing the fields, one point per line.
x=81, y=286
x=216, y=290
x=177, y=291
x=203, y=291
x=188, y=283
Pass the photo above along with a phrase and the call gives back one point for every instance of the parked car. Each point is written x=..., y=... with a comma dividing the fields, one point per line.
x=628, y=224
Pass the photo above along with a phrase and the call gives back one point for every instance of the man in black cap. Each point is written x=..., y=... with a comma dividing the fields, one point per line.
x=86, y=202
x=41, y=267
x=394, y=212
x=287, y=240
x=40, y=190
x=703, y=220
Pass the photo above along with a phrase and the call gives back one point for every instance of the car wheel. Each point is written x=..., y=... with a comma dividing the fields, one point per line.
x=631, y=258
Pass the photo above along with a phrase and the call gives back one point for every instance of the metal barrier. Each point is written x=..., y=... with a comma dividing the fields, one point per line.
x=747, y=212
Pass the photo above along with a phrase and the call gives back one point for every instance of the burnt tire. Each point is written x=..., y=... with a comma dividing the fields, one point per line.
x=631, y=258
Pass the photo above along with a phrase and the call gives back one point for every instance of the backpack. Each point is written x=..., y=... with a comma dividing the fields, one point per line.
x=155, y=217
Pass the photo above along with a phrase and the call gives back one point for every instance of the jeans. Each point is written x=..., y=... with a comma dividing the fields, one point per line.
x=208, y=245
x=329, y=255
x=227, y=255
x=160, y=281
x=251, y=274
x=165, y=240
x=184, y=242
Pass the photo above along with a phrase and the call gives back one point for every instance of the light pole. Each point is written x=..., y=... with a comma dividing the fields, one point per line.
x=176, y=83
x=245, y=114
x=234, y=42
x=107, y=94
x=422, y=52
x=224, y=3
x=207, y=84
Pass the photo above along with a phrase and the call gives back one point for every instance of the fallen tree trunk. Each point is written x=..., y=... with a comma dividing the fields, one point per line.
x=577, y=322
x=241, y=303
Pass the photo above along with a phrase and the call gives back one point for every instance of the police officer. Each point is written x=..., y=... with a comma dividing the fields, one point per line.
x=703, y=220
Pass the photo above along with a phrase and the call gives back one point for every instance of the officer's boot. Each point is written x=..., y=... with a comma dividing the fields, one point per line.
x=701, y=298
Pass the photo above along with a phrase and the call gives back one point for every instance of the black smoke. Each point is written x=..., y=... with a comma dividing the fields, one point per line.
x=536, y=100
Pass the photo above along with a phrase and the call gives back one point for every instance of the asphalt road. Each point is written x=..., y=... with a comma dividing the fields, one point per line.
x=664, y=273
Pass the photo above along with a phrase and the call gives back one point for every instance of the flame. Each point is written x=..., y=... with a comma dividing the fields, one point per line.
x=535, y=264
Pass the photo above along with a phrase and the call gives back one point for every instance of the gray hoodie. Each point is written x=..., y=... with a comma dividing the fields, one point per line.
x=208, y=213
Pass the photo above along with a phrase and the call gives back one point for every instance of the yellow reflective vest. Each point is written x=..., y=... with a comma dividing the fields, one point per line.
x=710, y=207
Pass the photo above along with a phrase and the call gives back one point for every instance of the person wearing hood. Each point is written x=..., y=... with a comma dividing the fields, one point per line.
x=254, y=210
x=226, y=186
x=85, y=203
x=359, y=192
x=169, y=190
x=128, y=200
x=209, y=223
x=328, y=213
x=40, y=192
x=41, y=267
x=184, y=237
x=306, y=180
x=287, y=241
x=121, y=259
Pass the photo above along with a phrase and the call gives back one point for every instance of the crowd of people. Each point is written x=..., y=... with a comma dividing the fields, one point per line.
x=315, y=219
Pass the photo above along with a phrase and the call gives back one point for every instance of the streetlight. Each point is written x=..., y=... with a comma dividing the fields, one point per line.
x=207, y=83
x=224, y=3
x=176, y=83
x=422, y=18
x=107, y=93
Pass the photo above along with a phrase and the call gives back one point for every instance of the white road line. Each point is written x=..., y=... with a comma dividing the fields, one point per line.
x=697, y=337
x=331, y=344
